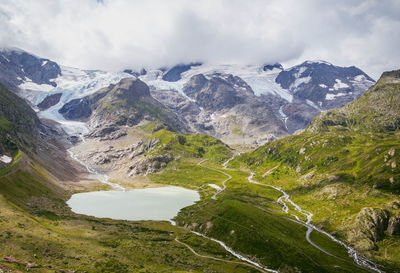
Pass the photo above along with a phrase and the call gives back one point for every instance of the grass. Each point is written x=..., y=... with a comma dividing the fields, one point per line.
x=35, y=220
x=5, y=124
x=335, y=175
x=246, y=217
x=190, y=146
x=37, y=227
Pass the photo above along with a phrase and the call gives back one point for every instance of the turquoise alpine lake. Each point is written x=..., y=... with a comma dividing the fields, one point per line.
x=159, y=204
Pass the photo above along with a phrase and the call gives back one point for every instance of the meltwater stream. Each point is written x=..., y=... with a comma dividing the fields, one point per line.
x=284, y=200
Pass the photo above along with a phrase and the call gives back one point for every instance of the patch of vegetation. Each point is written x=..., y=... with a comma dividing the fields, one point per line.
x=191, y=146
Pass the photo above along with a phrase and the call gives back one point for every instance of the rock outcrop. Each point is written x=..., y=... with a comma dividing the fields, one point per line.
x=107, y=133
x=151, y=164
x=49, y=101
x=369, y=227
x=394, y=225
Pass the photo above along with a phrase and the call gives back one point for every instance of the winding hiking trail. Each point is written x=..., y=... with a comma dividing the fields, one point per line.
x=284, y=200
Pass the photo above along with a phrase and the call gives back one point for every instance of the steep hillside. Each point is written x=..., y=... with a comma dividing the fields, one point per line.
x=19, y=125
x=39, y=233
x=345, y=169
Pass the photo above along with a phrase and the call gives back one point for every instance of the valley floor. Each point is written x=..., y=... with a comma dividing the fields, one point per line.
x=47, y=237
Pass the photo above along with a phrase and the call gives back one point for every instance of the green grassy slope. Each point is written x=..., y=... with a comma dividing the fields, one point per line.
x=347, y=159
x=41, y=234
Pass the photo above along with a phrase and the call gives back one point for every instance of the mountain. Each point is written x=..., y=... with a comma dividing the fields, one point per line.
x=295, y=95
x=126, y=103
x=283, y=100
x=19, y=69
x=344, y=168
x=224, y=106
x=38, y=231
x=95, y=130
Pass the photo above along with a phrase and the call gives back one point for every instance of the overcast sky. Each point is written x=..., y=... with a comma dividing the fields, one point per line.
x=117, y=34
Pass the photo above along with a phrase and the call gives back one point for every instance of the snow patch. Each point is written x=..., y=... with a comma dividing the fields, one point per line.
x=323, y=85
x=283, y=115
x=360, y=78
x=312, y=104
x=5, y=159
x=339, y=85
x=300, y=72
x=45, y=62
x=318, y=62
x=300, y=81
x=333, y=96
x=218, y=188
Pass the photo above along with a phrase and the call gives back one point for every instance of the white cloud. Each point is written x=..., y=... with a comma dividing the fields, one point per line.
x=117, y=34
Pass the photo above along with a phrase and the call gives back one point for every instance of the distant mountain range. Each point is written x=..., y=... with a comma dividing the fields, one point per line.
x=241, y=104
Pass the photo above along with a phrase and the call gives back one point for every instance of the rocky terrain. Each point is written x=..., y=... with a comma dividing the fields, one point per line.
x=142, y=131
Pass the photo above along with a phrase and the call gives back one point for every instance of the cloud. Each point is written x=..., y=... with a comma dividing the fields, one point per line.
x=117, y=34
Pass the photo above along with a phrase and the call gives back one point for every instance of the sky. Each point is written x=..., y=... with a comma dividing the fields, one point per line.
x=117, y=34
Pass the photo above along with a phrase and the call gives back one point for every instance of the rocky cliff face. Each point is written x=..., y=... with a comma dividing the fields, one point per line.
x=49, y=101
x=174, y=74
x=213, y=103
x=324, y=84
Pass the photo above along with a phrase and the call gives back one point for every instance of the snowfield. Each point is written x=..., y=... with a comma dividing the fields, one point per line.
x=262, y=82
x=5, y=159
